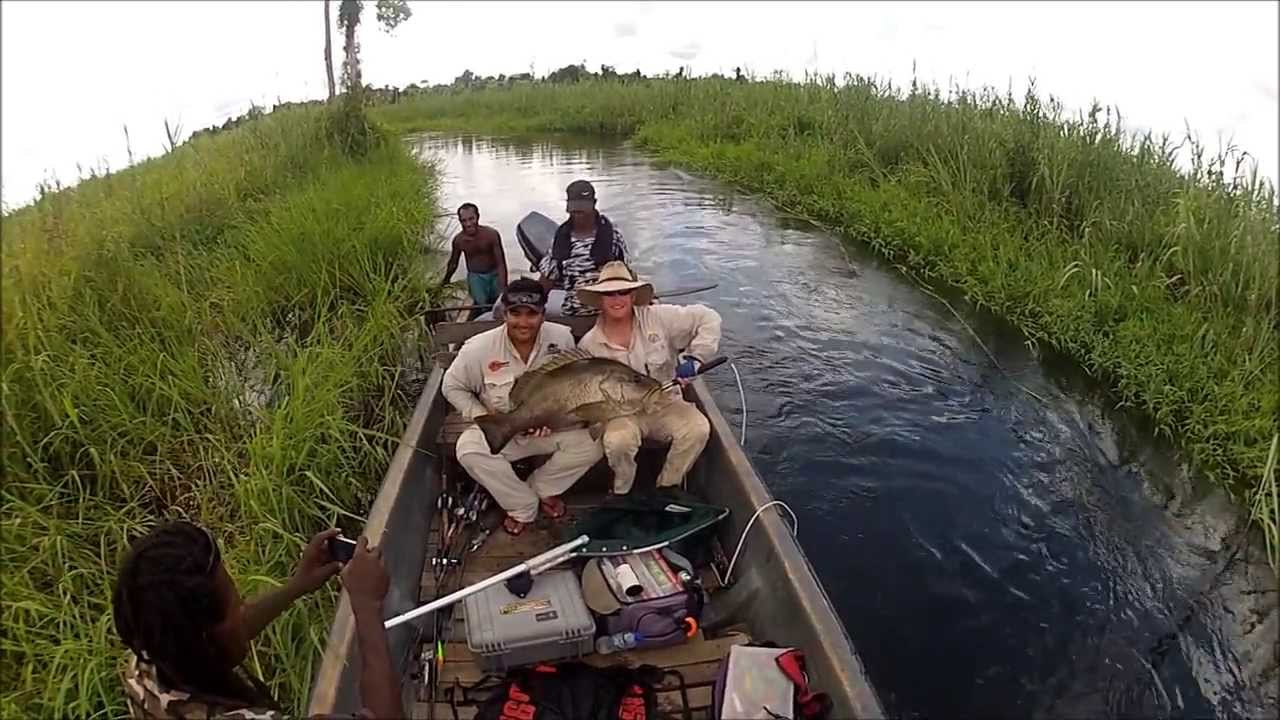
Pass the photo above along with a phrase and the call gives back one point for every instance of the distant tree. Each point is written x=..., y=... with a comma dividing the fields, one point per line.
x=607, y=72
x=569, y=74
x=390, y=13
x=328, y=49
x=465, y=80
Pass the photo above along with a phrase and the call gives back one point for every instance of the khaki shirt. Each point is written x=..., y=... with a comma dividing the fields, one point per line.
x=479, y=380
x=658, y=332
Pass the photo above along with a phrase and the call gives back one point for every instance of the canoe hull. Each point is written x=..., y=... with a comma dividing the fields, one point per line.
x=776, y=591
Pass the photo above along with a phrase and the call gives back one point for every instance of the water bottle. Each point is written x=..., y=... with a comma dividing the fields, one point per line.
x=618, y=642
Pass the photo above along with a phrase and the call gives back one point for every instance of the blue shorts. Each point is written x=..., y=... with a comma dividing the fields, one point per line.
x=483, y=287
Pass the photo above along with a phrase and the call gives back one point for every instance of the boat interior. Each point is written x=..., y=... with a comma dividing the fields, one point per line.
x=772, y=596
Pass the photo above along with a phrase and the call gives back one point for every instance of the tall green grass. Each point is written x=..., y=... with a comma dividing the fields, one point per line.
x=1159, y=280
x=224, y=333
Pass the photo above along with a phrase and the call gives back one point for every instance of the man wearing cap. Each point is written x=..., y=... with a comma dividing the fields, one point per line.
x=583, y=244
x=479, y=381
x=663, y=341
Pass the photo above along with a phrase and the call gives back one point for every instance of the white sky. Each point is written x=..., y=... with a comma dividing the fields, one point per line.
x=74, y=73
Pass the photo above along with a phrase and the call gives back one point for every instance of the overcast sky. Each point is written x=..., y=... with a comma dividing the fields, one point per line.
x=75, y=73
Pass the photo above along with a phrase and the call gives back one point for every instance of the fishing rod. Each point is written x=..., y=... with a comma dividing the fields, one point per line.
x=701, y=369
x=532, y=566
x=673, y=293
x=458, y=526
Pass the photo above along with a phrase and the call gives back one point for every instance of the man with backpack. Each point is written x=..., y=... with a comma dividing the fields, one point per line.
x=583, y=244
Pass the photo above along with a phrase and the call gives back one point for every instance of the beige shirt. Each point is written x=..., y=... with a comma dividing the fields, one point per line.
x=479, y=380
x=658, y=332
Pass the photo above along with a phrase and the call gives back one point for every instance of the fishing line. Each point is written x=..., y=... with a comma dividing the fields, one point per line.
x=795, y=529
x=742, y=399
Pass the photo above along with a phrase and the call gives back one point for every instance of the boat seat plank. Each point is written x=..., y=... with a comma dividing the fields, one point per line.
x=452, y=427
x=452, y=333
x=459, y=661
x=696, y=673
x=443, y=711
x=670, y=705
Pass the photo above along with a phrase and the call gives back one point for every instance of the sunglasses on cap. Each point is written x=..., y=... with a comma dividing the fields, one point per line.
x=524, y=298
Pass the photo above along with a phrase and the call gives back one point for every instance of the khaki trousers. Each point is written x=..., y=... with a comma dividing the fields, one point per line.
x=679, y=423
x=572, y=452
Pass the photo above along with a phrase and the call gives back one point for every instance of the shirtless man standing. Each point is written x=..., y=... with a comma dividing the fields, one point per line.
x=486, y=265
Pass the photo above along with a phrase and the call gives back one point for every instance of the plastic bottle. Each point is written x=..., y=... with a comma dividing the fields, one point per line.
x=618, y=642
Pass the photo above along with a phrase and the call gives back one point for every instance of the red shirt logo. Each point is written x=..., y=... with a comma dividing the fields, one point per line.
x=496, y=365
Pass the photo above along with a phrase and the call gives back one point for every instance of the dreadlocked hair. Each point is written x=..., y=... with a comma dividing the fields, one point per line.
x=166, y=605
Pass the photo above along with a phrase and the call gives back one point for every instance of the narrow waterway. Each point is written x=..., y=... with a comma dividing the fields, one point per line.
x=990, y=553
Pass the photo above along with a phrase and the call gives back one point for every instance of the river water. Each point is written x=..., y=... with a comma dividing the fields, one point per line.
x=990, y=553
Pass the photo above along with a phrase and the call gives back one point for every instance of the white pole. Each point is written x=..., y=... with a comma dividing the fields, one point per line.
x=534, y=565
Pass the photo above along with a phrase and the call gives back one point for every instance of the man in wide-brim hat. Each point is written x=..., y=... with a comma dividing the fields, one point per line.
x=663, y=341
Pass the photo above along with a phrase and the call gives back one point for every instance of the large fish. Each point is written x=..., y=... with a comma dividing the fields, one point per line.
x=572, y=389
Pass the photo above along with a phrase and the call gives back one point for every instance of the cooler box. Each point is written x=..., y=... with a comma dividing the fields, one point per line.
x=551, y=623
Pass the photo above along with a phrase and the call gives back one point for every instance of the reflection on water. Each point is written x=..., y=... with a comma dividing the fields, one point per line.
x=987, y=555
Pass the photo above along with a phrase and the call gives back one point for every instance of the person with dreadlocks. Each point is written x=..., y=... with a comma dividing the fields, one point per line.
x=187, y=629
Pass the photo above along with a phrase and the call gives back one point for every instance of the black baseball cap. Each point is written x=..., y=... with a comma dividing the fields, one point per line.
x=530, y=294
x=580, y=195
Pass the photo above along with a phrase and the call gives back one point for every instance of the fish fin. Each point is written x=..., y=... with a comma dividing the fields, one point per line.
x=529, y=377
x=559, y=360
x=498, y=430
x=596, y=430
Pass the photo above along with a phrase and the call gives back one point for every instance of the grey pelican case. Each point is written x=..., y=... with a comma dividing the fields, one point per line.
x=550, y=623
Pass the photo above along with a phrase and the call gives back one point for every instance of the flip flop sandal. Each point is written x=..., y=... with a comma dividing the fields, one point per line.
x=550, y=511
x=509, y=522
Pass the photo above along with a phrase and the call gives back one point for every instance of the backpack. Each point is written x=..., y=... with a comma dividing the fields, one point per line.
x=666, y=613
x=601, y=246
x=574, y=691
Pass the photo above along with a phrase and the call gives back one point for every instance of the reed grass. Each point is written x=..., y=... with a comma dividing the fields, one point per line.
x=223, y=333
x=1158, y=279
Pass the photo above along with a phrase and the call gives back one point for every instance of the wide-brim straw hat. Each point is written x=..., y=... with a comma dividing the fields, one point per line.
x=616, y=276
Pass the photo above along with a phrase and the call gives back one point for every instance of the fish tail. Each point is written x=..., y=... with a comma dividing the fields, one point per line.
x=498, y=430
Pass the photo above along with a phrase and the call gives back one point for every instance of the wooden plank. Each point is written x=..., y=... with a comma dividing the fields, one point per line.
x=445, y=359
x=453, y=426
x=703, y=673
x=444, y=712
x=533, y=541
x=690, y=653
x=699, y=673
x=671, y=704
x=449, y=333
